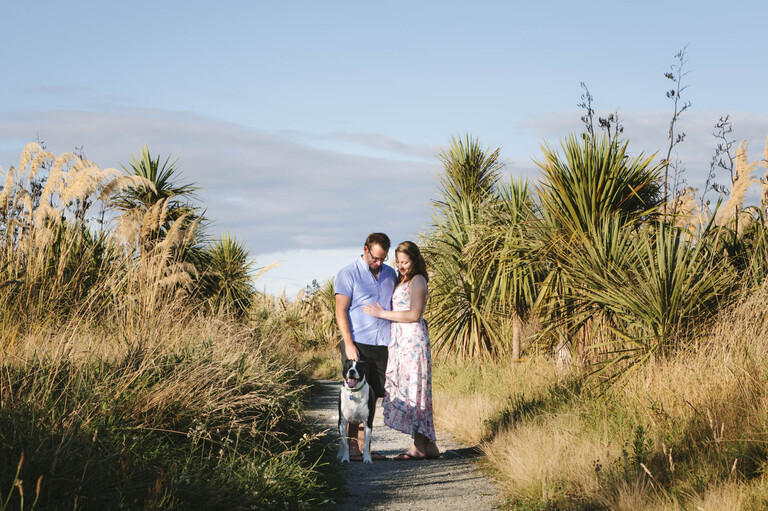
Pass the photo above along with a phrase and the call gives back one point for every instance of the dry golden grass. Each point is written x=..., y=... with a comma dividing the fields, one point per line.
x=548, y=455
x=719, y=384
x=703, y=414
x=116, y=379
x=630, y=495
x=324, y=362
x=467, y=396
x=224, y=393
x=726, y=497
x=468, y=426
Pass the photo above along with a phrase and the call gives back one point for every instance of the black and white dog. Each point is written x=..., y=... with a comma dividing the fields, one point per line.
x=356, y=406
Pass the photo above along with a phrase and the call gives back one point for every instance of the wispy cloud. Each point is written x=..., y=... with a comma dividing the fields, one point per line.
x=80, y=95
x=370, y=144
x=291, y=191
x=271, y=190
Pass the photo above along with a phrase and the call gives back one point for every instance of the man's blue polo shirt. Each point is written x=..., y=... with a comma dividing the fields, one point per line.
x=357, y=282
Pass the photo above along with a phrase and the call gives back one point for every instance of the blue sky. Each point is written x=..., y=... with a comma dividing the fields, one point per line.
x=309, y=124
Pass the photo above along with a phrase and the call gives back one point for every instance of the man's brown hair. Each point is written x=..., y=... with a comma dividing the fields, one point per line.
x=378, y=238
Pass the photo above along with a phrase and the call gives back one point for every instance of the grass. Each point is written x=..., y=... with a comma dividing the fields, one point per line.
x=688, y=431
x=123, y=388
x=203, y=414
x=124, y=385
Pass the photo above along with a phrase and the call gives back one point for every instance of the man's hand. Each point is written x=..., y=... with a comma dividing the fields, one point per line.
x=351, y=352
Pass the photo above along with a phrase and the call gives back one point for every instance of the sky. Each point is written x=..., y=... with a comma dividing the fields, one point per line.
x=308, y=125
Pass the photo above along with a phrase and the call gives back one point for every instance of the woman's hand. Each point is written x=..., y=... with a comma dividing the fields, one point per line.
x=377, y=311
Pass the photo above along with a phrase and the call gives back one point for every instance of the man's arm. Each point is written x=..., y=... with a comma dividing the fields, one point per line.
x=342, y=319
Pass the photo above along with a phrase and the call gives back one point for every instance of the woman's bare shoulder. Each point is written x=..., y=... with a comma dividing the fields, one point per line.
x=418, y=281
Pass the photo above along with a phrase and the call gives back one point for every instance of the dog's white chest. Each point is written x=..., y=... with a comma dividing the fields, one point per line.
x=354, y=405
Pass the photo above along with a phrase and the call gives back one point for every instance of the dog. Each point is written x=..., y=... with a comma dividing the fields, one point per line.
x=357, y=403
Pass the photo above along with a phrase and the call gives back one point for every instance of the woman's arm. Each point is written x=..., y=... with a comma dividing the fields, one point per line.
x=418, y=297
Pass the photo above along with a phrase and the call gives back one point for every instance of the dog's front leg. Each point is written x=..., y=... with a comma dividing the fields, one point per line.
x=367, y=449
x=343, y=454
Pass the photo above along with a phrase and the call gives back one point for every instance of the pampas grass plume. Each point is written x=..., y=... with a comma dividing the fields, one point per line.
x=688, y=214
x=5, y=195
x=84, y=183
x=764, y=181
x=45, y=212
x=28, y=154
x=66, y=159
x=743, y=179
x=121, y=182
x=37, y=163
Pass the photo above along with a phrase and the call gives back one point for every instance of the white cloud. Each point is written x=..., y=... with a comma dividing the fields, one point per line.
x=298, y=268
x=303, y=197
x=368, y=144
x=270, y=190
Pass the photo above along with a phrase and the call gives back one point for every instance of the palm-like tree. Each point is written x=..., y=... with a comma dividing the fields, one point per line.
x=227, y=281
x=156, y=208
x=470, y=173
x=595, y=184
x=461, y=315
x=624, y=284
x=594, y=180
x=162, y=177
x=461, y=312
x=504, y=250
x=655, y=287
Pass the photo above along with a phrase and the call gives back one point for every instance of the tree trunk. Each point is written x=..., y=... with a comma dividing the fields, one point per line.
x=517, y=327
x=563, y=355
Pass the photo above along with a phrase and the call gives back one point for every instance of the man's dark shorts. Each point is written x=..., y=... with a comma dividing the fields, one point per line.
x=375, y=358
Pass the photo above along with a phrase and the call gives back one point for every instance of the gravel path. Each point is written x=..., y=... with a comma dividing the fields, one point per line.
x=450, y=483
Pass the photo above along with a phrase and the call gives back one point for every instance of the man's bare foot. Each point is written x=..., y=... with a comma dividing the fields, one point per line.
x=356, y=455
x=354, y=449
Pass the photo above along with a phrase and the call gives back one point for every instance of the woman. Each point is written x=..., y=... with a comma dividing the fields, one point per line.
x=408, y=398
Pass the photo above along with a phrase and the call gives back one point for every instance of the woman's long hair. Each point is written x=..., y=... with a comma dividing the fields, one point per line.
x=418, y=265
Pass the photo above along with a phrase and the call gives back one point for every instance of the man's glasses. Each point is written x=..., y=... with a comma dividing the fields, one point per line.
x=377, y=259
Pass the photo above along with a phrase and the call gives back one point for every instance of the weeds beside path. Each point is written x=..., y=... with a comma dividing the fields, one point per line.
x=452, y=482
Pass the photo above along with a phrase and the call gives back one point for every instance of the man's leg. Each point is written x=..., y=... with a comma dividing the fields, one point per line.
x=375, y=358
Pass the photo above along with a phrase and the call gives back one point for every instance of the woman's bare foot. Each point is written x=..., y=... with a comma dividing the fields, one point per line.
x=424, y=447
x=432, y=451
x=413, y=452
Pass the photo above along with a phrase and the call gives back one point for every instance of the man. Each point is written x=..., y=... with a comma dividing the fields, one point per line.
x=367, y=280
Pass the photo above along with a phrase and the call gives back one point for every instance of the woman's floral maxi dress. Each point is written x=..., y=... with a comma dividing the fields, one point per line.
x=408, y=399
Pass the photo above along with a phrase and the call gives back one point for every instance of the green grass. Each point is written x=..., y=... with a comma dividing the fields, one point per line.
x=198, y=424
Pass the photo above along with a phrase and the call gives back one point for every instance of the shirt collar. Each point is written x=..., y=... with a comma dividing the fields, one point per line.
x=364, y=266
